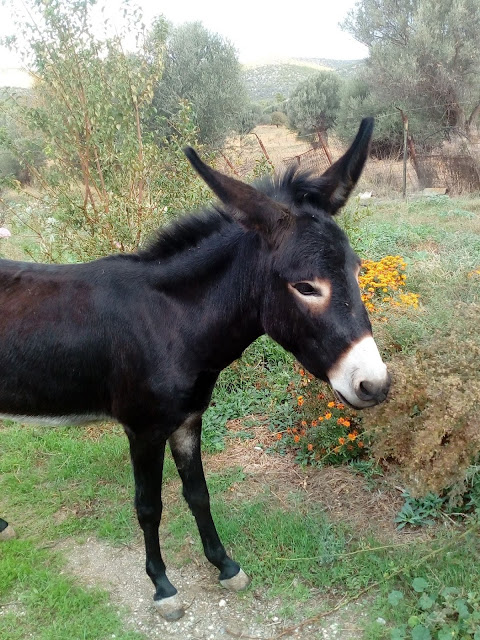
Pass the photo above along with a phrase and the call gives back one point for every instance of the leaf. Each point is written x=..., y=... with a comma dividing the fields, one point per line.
x=426, y=602
x=477, y=634
x=419, y=585
x=446, y=633
x=462, y=608
x=397, y=633
x=421, y=633
x=394, y=597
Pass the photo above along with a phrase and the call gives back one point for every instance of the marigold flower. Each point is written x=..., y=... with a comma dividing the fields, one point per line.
x=336, y=449
x=346, y=423
x=310, y=447
x=296, y=438
x=279, y=436
x=314, y=423
x=330, y=405
x=300, y=400
x=360, y=444
x=328, y=416
x=340, y=406
x=341, y=440
x=303, y=423
x=340, y=421
x=321, y=418
x=351, y=436
x=302, y=372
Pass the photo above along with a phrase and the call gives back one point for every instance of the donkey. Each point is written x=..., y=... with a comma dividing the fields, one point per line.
x=141, y=338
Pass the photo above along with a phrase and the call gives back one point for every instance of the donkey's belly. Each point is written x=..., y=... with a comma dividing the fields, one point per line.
x=55, y=420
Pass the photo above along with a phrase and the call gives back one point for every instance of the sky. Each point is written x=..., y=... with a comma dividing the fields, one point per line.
x=258, y=30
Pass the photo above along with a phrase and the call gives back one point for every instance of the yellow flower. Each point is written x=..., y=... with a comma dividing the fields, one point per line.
x=331, y=405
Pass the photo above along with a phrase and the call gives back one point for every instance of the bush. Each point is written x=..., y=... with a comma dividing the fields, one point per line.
x=431, y=424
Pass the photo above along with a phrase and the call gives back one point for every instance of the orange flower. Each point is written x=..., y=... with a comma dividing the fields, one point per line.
x=295, y=430
x=310, y=447
x=336, y=449
x=296, y=438
x=340, y=406
x=314, y=423
x=321, y=396
x=330, y=405
x=321, y=418
x=328, y=416
x=360, y=444
x=303, y=423
x=300, y=400
x=279, y=436
x=302, y=372
x=342, y=440
x=351, y=436
x=346, y=423
x=341, y=421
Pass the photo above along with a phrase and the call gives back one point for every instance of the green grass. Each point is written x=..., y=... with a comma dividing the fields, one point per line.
x=48, y=606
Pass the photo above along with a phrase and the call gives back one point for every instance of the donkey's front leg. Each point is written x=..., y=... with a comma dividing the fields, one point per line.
x=185, y=446
x=147, y=453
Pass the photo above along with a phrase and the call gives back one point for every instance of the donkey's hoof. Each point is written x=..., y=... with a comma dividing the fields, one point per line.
x=170, y=608
x=237, y=583
x=8, y=533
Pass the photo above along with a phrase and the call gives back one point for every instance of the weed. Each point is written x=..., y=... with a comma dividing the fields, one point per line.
x=418, y=512
x=437, y=614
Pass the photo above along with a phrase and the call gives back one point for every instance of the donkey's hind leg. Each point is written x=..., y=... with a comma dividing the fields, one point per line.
x=147, y=455
x=185, y=446
x=6, y=532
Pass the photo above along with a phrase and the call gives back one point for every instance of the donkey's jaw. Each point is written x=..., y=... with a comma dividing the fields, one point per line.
x=360, y=377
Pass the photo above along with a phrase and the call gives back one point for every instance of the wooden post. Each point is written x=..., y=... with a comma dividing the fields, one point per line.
x=405, y=151
x=324, y=144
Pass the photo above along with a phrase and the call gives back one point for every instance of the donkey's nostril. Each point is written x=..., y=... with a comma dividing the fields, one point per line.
x=368, y=390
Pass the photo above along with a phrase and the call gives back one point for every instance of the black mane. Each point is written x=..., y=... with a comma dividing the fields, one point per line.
x=189, y=230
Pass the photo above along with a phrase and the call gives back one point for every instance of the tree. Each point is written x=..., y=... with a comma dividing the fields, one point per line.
x=203, y=68
x=279, y=119
x=313, y=105
x=424, y=55
x=106, y=184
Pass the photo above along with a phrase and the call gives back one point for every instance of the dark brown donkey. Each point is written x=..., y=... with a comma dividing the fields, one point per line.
x=141, y=338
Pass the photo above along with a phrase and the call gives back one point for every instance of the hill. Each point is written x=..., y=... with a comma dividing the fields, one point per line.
x=265, y=80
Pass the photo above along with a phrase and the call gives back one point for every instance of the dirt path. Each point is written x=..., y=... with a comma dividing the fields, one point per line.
x=212, y=612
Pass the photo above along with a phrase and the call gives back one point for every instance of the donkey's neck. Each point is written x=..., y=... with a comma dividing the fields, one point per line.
x=219, y=282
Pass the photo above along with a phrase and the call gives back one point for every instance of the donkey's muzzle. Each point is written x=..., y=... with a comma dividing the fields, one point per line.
x=360, y=377
x=373, y=392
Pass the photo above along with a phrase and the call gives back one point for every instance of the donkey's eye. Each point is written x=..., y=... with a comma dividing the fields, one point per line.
x=306, y=289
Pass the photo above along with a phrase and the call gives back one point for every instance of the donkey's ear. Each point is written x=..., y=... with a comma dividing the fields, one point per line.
x=335, y=185
x=251, y=208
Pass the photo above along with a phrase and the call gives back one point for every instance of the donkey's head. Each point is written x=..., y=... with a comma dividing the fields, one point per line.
x=311, y=299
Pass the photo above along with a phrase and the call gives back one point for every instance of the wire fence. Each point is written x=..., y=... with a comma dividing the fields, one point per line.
x=453, y=167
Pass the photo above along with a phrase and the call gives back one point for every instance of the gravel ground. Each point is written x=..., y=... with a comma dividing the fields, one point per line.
x=211, y=612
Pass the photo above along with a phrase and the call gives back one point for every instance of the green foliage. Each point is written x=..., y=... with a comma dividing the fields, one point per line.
x=437, y=614
x=106, y=184
x=424, y=56
x=314, y=104
x=201, y=67
x=418, y=512
x=279, y=119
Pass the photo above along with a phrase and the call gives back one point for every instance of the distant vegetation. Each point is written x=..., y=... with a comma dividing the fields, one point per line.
x=264, y=82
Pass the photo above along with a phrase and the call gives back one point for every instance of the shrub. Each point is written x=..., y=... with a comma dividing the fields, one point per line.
x=431, y=424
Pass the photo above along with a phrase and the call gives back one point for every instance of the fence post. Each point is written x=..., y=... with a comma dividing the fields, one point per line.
x=324, y=144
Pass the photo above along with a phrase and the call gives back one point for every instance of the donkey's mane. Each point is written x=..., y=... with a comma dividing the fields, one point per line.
x=190, y=229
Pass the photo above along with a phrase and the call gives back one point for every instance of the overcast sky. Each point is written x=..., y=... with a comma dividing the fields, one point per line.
x=259, y=30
